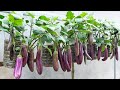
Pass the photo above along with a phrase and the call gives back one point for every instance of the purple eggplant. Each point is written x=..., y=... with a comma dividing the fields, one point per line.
x=66, y=61
x=69, y=55
x=105, y=54
x=86, y=53
x=39, y=65
x=116, y=53
x=30, y=61
x=61, y=60
x=80, y=53
x=55, y=61
x=18, y=67
x=92, y=55
x=24, y=54
x=99, y=52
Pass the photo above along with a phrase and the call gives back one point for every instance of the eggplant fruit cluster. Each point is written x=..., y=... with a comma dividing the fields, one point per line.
x=27, y=57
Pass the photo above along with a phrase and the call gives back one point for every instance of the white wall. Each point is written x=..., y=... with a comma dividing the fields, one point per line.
x=93, y=69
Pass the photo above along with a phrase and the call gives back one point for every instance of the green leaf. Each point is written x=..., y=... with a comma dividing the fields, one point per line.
x=85, y=31
x=55, y=18
x=37, y=32
x=103, y=48
x=18, y=22
x=70, y=32
x=2, y=17
x=70, y=15
x=4, y=29
x=50, y=31
x=50, y=38
x=11, y=18
x=78, y=20
x=31, y=15
x=44, y=18
x=0, y=23
x=119, y=43
x=63, y=33
x=61, y=39
x=83, y=14
x=107, y=41
x=50, y=51
x=19, y=28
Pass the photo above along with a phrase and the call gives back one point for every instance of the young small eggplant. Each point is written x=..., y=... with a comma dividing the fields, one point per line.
x=24, y=54
x=116, y=53
x=18, y=67
x=55, y=60
x=61, y=60
x=105, y=54
x=69, y=55
x=76, y=47
x=99, y=52
x=39, y=65
x=80, y=53
x=30, y=61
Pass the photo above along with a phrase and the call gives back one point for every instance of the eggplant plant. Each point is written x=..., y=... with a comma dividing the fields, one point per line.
x=12, y=25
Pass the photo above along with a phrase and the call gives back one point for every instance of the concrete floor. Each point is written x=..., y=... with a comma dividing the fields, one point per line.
x=6, y=73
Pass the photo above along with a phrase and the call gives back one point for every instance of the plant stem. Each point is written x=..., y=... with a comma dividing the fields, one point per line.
x=72, y=70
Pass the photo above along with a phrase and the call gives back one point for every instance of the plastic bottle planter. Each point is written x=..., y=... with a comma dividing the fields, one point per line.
x=46, y=57
x=7, y=62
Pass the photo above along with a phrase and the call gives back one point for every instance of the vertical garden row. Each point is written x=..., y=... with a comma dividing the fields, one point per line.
x=74, y=39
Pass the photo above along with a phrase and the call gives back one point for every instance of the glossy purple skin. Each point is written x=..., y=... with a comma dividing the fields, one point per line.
x=39, y=65
x=18, y=67
x=80, y=54
x=116, y=53
x=24, y=55
x=66, y=62
x=69, y=54
x=99, y=53
x=61, y=60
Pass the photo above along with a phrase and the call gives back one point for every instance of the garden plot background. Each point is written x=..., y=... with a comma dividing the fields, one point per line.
x=93, y=70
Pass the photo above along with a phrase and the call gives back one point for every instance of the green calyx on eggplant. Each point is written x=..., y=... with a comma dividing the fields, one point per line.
x=39, y=65
x=30, y=61
x=55, y=60
x=24, y=53
x=76, y=47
